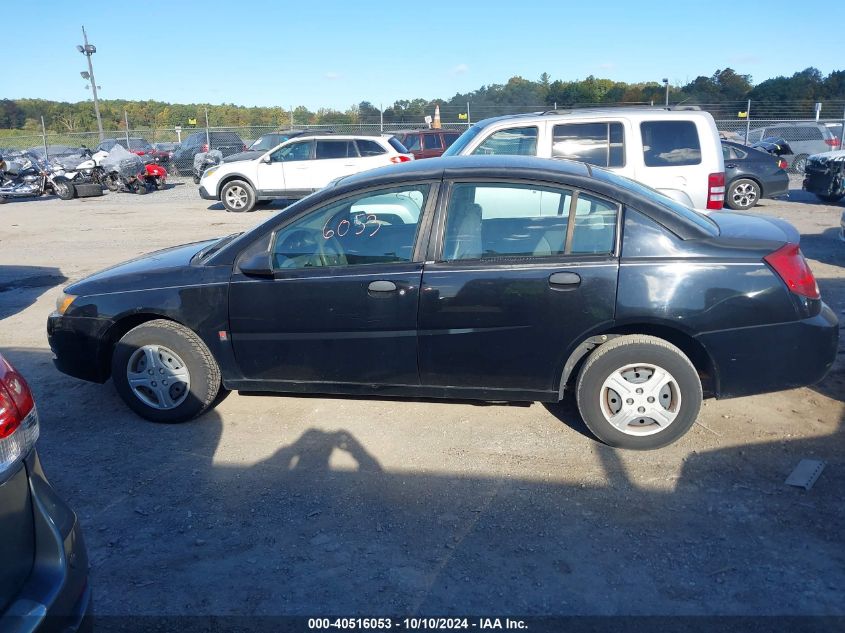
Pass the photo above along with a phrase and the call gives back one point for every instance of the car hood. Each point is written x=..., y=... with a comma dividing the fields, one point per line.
x=757, y=228
x=157, y=269
x=250, y=154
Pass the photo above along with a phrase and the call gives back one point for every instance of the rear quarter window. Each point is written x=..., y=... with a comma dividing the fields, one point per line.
x=670, y=143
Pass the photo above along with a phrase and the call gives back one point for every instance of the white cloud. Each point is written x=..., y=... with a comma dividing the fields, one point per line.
x=607, y=66
x=460, y=69
x=332, y=76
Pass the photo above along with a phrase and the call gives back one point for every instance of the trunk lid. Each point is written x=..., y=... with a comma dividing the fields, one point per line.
x=745, y=227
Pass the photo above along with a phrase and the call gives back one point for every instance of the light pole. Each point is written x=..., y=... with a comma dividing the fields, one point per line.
x=666, y=82
x=88, y=50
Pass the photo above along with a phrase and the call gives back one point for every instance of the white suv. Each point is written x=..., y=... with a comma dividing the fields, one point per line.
x=296, y=168
x=677, y=152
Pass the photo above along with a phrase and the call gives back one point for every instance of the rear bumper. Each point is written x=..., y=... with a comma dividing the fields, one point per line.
x=57, y=596
x=773, y=357
x=76, y=342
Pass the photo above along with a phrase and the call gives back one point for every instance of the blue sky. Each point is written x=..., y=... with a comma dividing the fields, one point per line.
x=335, y=54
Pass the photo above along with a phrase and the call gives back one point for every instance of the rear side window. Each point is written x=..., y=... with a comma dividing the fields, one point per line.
x=412, y=142
x=488, y=221
x=370, y=148
x=518, y=141
x=600, y=144
x=670, y=143
x=336, y=149
x=432, y=141
x=450, y=137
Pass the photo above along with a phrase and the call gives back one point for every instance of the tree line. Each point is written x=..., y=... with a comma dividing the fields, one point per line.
x=723, y=87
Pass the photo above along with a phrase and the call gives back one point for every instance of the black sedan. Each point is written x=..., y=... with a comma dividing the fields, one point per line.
x=488, y=277
x=751, y=174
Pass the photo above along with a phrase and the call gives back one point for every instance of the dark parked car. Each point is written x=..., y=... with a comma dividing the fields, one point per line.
x=163, y=152
x=427, y=143
x=44, y=568
x=227, y=142
x=488, y=277
x=136, y=145
x=266, y=142
x=751, y=174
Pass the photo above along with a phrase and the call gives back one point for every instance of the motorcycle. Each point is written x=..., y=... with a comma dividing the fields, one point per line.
x=79, y=174
x=24, y=176
x=204, y=160
x=124, y=171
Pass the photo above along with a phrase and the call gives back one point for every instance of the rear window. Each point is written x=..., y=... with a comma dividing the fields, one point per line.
x=225, y=138
x=396, y=144
x=670, y=143
x=450, y=137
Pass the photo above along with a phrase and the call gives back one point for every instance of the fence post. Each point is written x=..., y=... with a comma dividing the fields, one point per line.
x=291, y=117
x=207, y=135
x=842, y=133
x=747, y=121
x=44, y=136
x=126, y=120
x=381, y=117
x=469, y=118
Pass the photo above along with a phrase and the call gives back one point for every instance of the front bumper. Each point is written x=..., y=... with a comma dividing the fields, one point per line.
x=205, y=195
x=767, y=358
x=56, y=596
x=76, y=343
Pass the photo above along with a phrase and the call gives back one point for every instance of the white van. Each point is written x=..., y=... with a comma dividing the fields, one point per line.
x=677, y=152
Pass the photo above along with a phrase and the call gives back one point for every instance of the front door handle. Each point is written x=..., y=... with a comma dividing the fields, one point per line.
x=381, y=286
x=564, y=279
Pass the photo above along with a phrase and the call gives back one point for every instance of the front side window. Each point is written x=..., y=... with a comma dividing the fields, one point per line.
x=670, y=143
x=377, y=227
x=432, y=141
x=600, y=144
x=490, y=221
x=327, y=150
x=519, y=141
x=292, y=152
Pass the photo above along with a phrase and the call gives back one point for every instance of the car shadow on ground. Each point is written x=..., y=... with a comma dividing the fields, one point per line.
x=179, y=520
x=20, y=286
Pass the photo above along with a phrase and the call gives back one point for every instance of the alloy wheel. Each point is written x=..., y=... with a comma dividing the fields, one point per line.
x=236, y=197
x=744, y=195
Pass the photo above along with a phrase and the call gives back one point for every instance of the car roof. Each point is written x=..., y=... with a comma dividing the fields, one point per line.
x=422, y=131
x=578, y=113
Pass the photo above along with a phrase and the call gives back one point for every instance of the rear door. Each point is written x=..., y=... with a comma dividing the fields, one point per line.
x=334, y=158
x=521, y=273
x=287, y=169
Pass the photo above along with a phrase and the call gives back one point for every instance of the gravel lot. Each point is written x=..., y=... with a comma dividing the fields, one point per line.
x=312, y=505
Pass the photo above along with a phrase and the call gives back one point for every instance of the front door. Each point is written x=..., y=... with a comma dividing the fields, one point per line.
x=524, y=272
x=342, y=304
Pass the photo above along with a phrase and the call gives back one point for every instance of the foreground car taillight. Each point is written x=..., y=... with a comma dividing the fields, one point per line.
x=401, y=158
x=789, y=263
x=782, y=163
x=18, y=417
x=716, y=191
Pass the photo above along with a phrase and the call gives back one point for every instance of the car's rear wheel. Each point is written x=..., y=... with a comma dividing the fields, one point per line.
x=164, y=372
x=638, y=392
x=742, y=194
x=237, y=196
x=830, y=198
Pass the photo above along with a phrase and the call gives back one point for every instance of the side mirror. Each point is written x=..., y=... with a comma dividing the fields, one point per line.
x=266, y=159
x=257, y=265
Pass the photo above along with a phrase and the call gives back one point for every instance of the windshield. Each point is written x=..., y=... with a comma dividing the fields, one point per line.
x=268, y=141
x=464, y=139
x=655, y=196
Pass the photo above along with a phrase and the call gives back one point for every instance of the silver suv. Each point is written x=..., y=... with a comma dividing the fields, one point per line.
x=804, y=137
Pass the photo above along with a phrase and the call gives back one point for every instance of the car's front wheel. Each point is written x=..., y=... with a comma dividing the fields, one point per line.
x=638, y=392
x=164, y=372
x=742, y=194
x=238, y=196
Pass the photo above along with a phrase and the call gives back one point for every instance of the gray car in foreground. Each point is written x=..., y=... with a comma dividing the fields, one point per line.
x=43, y=561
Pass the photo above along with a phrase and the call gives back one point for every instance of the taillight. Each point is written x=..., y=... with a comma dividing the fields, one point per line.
x=782, y=163
x=401, y=158
x=18, y=417
x=716, y=191
x=789, y=263
x=833, y=142
x=204, y=147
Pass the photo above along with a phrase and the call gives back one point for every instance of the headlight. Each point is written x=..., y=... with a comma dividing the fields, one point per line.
x=209, y=172
x=63, y=302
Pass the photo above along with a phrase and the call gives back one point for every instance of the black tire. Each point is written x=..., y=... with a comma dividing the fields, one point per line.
x=799, y=163
x=832, y=199
x=64, y=189
x=204, y=374
x=112, y=183
x=238, y=196
x=140, y=187
x=634, y=351
x=3, y=200
x=743, y=193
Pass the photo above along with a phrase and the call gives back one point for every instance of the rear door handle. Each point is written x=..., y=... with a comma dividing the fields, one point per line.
x=564, y=279
x=381, y=286
x=730, y=166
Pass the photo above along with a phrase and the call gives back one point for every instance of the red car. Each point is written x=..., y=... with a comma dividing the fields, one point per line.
x=427, y=143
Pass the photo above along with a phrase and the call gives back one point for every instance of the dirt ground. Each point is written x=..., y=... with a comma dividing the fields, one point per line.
x=353, y=506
